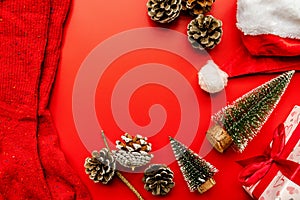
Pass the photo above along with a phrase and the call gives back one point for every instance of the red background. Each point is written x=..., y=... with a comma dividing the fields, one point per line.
x=90, y=23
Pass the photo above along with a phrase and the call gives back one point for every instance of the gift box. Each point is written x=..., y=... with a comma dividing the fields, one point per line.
x=276, y=174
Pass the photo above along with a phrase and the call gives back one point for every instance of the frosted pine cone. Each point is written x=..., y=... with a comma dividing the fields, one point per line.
x=205, y=32
x=158, y=179
x=196, y=7
x=133, y=151
x=101, y=166
x=164, y=11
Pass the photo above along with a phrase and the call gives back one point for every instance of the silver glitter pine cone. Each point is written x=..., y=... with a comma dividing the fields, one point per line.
x=101, y=166
x=164, y=11
x=158, y=179
x=133, y=151
x=204, y=32
x=196, y=7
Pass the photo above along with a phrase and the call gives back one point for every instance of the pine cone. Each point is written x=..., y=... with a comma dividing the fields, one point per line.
x=133, y=151
x=164, y=11
x=101, y=166
x=196, y=7
x=135, y=144
x=158, y=179
x=205, y=32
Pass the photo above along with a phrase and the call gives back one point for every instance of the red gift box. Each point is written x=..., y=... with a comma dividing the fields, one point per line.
x=276, y=174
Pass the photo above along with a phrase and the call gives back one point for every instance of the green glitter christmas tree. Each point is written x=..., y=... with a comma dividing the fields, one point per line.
x=239, y=122
x=197, y=172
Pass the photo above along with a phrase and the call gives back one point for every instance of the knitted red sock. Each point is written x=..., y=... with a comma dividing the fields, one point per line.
x=23, y=32
x=61, y=179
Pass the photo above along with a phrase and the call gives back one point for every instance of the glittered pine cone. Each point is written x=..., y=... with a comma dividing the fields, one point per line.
x=131, y=159
x=133, y=143
x=196, y=7
x=204, y=32
x=158, y=179
x=133, y=151
x=101, y=166
x=164, y=11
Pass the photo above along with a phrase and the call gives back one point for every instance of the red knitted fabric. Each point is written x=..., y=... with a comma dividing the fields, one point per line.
x=23, y=36
x=31, y=167
x=61, y=179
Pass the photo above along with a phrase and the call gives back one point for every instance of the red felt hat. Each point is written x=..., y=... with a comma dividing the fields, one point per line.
x=270, y=32
x=270, y=28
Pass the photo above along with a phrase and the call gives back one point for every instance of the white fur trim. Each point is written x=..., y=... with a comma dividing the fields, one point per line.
x=277, y=17
x=211, y=78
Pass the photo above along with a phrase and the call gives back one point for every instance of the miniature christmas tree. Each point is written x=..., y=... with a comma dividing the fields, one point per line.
x=197, y=172
x=239, y=122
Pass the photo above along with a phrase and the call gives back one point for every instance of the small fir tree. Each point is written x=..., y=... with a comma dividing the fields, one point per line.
x=197, y=172
x=240, y=121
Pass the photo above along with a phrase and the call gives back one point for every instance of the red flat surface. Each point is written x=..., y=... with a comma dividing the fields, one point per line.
x=92, y=23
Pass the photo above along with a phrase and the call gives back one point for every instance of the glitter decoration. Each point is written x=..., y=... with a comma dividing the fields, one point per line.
x=133, y=151
x=243, y=119
x=197, y=172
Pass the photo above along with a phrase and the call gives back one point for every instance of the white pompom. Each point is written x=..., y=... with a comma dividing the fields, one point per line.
x=211, y=78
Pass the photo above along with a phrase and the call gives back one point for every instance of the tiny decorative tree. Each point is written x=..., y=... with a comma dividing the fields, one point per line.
x=239, y=122
x=197, y=172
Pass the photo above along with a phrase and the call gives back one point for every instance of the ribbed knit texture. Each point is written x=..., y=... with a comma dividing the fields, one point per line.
x=23, y=36
x=32, y=166
x=61, y=179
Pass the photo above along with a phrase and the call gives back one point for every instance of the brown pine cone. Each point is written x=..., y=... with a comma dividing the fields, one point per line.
x=136, y=143
x=204, y=32
x=158, y=179
x=196, y=7
x=164, y=11
x=101, y=166
x=133, y=151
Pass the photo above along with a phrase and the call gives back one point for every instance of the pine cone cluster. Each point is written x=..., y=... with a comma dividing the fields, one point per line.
x=101, y=166
x=164, y=11
x=196, y=7
x=158, y=179
x=133, y=151
x=205, y=32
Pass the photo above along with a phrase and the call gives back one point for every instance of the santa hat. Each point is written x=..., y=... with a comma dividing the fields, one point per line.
x=270, y=32
x=276, y=22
